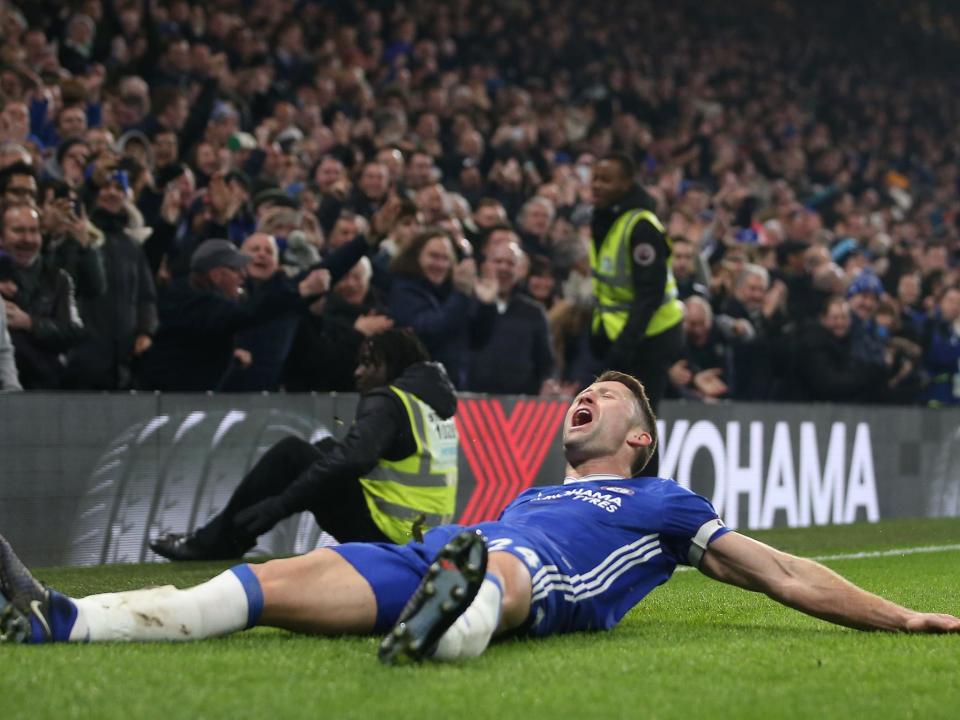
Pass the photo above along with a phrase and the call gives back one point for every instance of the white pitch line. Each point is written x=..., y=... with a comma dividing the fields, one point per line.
x=866, y=555
x=888, y=553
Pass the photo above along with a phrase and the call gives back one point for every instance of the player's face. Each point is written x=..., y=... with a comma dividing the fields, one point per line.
x=598, y=421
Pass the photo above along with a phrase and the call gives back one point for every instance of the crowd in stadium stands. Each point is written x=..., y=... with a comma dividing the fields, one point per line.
x=430, y=162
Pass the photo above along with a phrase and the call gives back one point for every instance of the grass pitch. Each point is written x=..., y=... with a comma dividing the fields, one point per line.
x=693, y=648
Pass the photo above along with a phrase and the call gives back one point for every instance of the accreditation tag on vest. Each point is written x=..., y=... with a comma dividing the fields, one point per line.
x=442, y=439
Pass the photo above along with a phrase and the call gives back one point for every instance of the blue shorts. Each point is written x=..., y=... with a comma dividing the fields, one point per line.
x=395, y=571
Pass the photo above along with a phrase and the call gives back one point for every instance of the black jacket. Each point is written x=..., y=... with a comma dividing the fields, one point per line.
x=46, y=294
x=518, y=356
x=127, y=309
x=381, y=429
x=829, y=372
x=194, y=345
x=650, y=253
x=84, y=264
x=760, y=361
x=269, y=342
x=324, y=353
x=449, y=323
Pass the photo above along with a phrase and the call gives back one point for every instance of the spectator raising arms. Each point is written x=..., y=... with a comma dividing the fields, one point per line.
x=194, y=348
x=317, y=125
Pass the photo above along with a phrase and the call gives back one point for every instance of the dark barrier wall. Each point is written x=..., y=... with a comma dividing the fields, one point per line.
x=90, y=478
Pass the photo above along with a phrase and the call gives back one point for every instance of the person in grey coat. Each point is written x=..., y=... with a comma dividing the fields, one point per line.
x=9, y=380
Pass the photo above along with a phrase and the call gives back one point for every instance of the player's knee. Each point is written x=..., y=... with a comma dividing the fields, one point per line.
x=291, y=569
x=514, y=579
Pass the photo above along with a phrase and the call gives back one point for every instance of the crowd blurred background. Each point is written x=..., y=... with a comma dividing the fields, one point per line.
x=430, y=163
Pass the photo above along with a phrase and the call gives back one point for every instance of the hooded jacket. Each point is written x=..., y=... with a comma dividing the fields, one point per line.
x=380, y=430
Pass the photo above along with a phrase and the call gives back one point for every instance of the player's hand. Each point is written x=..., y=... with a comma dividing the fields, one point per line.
x=933, y=623
x=258, y=519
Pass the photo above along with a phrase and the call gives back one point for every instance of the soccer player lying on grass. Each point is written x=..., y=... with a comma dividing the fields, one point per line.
x=569, y=557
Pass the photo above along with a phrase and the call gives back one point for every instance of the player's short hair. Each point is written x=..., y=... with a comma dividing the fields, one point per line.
x=644, y=414
x=395, y=349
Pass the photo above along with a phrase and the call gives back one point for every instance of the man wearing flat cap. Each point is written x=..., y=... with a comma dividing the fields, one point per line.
x=201, y=313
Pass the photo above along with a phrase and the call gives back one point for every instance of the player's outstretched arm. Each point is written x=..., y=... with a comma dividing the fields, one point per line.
x=811, y=588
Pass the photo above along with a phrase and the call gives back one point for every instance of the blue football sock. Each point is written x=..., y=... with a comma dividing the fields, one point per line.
x=62, y=616
x=251, y=586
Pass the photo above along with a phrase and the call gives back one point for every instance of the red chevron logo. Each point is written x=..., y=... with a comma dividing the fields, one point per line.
x=504, y=453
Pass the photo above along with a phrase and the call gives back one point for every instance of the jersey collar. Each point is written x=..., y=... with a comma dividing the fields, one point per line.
x=588, y=478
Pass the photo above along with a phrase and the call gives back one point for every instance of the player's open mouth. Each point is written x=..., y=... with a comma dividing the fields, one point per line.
x=581, y=417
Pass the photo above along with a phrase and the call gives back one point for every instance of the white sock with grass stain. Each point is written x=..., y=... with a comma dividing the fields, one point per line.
x=229, y=602
x=469, y=636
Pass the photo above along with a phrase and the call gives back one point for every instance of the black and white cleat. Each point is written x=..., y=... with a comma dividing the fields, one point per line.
x=449, y=586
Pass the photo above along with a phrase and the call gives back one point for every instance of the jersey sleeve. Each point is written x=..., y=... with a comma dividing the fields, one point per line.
x=690, y=524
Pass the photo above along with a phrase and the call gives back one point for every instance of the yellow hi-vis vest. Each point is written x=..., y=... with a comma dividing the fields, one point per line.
x=421, y=486
x=613, y=280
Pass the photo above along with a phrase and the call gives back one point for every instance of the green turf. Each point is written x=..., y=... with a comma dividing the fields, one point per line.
x=694, y=648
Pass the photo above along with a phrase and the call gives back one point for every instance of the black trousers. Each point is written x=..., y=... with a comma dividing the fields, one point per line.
x=340, y=507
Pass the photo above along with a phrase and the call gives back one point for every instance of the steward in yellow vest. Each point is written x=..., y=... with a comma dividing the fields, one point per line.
x=395, y=470
x=637, y=325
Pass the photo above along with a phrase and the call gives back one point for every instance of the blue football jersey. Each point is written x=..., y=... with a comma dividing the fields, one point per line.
x=596, y=547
